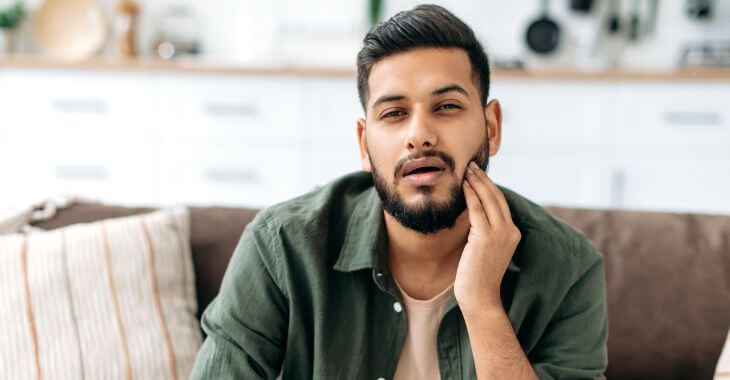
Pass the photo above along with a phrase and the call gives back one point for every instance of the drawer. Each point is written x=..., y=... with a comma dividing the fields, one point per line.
x=227, y=174
x=122, y=169
x=564, y=114
x=47, y=101
x=657, y=115
x=327, y=162
x=560, y=179
x=673, y=183
x=247, y=108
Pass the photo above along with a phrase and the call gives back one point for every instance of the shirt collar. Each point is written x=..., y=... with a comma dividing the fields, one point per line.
x=365, y=237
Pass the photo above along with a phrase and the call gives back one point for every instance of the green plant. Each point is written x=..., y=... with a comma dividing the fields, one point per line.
x=10, y=17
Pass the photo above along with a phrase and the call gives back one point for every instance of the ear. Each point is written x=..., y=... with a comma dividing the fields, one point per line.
x=493, y=115
x=363, y=144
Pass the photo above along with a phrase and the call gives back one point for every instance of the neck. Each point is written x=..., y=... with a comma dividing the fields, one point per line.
x=425, y=264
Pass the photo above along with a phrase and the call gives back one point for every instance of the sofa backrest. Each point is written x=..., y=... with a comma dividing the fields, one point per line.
x=667, y=279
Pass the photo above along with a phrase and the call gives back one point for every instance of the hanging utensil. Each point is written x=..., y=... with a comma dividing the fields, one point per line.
x=543, y=34
x=614, y=20
x=634, y=21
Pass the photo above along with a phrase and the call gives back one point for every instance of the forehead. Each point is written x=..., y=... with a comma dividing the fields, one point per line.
x=420, y=71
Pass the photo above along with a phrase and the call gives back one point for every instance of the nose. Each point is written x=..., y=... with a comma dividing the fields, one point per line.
x=421, y=133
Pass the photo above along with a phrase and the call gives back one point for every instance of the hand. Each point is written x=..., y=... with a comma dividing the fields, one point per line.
x=492, y=241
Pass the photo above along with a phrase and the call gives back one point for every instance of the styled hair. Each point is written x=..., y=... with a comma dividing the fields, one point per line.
x=425, y=26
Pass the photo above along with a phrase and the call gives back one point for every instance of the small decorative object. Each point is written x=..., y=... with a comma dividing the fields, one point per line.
x=177, y=33
x=10, y=18
x=125, y=26
x=70, y=30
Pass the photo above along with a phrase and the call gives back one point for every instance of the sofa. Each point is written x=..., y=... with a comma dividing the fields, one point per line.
x=667, y=276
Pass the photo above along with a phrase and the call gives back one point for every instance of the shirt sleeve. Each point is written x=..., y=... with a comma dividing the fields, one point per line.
x=246, y=324
x=573, y=345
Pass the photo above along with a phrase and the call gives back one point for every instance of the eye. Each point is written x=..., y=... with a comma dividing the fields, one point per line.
x=448, y=106
x=392, y=114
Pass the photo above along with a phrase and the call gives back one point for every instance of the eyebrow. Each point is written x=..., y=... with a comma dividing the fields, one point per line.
x=449, y=88
x=388, y=98
x=438, y=91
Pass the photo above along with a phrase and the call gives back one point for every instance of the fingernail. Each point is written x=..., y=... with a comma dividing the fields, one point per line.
x=474, y=165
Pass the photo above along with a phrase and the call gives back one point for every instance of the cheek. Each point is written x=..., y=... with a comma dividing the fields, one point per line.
x=383, y=151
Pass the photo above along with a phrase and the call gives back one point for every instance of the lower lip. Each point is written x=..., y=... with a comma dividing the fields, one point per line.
x=423, y=179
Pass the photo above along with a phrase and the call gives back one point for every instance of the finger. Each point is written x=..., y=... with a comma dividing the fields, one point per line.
x=501, y=200
x=489, y=201
x=477, y=218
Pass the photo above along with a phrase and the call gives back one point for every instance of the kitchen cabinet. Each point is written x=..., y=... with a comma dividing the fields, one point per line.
x=206, y=138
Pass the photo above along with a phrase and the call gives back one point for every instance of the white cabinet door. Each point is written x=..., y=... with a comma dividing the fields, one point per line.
x=224, y=173
x=568, y=115
x=89, y=134
x=670, y=116
x=558, y=178
x=673, y=182
x=246, y=109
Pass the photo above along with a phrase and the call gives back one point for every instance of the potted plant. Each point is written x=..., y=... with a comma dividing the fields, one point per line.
x=10, y=18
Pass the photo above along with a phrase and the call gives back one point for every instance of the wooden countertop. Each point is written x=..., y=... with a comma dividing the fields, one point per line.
x=186, y=66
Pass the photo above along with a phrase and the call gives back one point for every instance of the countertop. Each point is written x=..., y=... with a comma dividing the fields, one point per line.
x=189, y=66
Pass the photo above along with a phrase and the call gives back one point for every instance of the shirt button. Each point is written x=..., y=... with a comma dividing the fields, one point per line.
x=397, y=307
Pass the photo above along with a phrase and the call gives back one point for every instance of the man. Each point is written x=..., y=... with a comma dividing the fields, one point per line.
x=419, y=267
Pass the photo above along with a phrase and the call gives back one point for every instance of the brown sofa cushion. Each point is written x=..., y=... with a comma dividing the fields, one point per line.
x=667, y=275
x=668, y=289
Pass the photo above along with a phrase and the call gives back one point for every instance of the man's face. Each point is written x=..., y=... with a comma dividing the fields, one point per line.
x=424, y=123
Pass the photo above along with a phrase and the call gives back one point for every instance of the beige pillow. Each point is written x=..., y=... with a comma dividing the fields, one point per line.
x=113, y=299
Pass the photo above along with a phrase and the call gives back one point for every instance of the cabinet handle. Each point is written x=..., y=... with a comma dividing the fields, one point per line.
x=680, y=118
x=232, y=176
x=81, y=172
x=93, y=106
x=618, y=187
x=231, y=109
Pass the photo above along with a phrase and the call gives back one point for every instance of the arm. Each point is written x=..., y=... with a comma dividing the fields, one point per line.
x=573, y=344
x=582, y=316
x=496, y=350
x=246, y=324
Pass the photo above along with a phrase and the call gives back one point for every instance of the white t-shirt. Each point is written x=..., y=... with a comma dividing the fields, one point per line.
x=419, y=359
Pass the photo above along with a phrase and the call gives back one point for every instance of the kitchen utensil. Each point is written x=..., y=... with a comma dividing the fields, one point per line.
x=70, y=30
x=614, y=18
x=583, y=6
x=699, y=9
x=634, y=21
x=543, y=34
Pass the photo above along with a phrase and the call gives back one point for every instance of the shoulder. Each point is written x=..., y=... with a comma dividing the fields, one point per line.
x=314, y=210
x=309, y=228
x=548, y=240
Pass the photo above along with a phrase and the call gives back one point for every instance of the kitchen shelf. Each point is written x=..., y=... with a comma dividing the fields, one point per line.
x=196, y=66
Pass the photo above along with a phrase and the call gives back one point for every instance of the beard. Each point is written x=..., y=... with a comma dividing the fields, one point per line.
x=428, y=215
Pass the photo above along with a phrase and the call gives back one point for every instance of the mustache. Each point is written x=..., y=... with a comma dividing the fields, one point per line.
x=445, y=157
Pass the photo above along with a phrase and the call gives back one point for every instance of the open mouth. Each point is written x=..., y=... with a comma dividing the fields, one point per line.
x=424, y=169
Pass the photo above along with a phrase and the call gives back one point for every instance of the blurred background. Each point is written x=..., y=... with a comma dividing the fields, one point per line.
x=607, y=103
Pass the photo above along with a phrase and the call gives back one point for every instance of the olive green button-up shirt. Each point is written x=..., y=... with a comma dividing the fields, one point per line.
x=308, y=294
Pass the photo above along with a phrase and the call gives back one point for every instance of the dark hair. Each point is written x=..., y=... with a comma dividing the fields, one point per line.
x=421, y=27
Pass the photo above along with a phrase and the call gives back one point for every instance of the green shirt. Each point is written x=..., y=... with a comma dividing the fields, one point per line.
x=308, y=292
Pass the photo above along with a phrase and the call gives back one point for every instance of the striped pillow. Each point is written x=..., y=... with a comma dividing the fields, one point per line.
x=114, y=299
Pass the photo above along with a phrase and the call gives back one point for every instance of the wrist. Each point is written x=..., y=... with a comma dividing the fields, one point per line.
x=477, y=305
